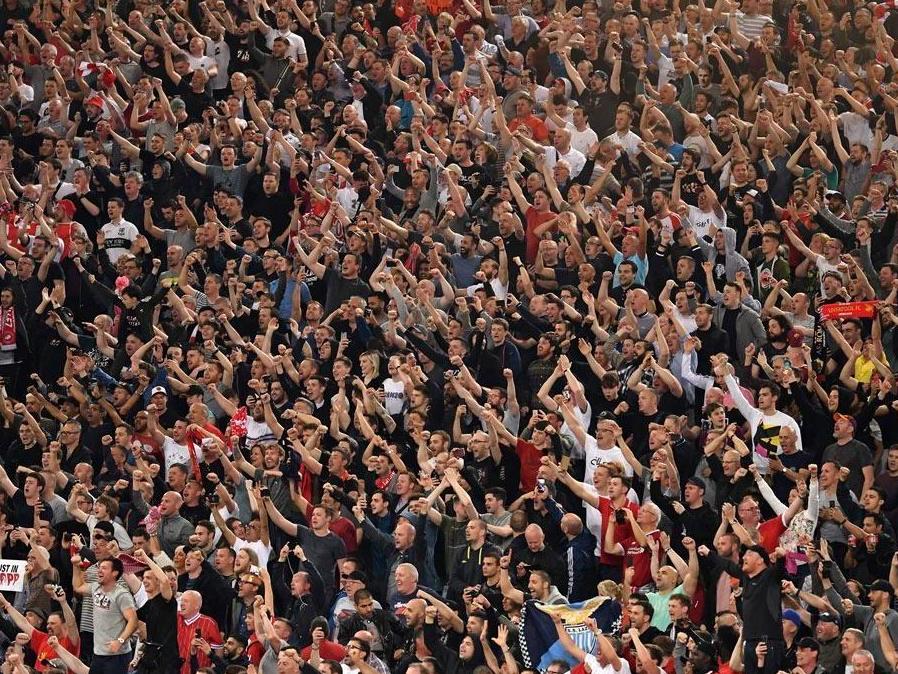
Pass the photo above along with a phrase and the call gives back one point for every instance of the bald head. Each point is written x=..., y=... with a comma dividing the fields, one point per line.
x=191, y=603
x=571, y=525
x=535, y=537
x=170, y=505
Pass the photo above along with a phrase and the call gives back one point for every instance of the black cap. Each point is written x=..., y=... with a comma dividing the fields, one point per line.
x=105, y=528
x=809, y=642
x=881, y=586
x=829, y=617
x=697, y=482
x=760, y=551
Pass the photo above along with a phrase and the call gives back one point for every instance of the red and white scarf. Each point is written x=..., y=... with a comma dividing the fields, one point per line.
x=8, y=329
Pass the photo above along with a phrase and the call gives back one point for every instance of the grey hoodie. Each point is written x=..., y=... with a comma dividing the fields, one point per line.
x=734, y=261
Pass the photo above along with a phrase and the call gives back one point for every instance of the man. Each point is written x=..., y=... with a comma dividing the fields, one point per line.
x=536, y=555
x=319, y=543
x=63, y=626
x=193, y=629
x=765, y=420
x=159, y=617
x=105, y=509
x=807, y=655
x=171, y=530
x=497, y=518
x=340, y=285
x=827, y=633
x=852, y=454
x=118, y=235
x=114, y=616
x=761, y=607
x=384, y=627
x=881, y=595
x=306, y=590
x=741, y=325
x=469, y=569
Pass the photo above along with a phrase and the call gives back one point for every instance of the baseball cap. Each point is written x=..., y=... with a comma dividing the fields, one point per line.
x=697, y=482
x=792, y=616
x=159, y=389
x=67, y=206
x=760, y=551
x=828, y=617
x=601, y=74
x=807, y=642
x=511, y=70
x=96, y=101
x=881, y=586
x=851, y=420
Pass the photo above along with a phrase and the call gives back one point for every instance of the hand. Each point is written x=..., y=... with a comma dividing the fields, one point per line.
x=847, y=607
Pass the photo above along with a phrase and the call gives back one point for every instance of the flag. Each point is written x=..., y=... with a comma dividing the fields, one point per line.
x=539, y=638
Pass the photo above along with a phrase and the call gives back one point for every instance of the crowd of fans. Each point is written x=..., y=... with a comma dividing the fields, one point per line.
x=336, y=337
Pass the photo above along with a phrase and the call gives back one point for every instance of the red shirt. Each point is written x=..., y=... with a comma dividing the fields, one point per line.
x=622, y=531
x=639, y=557
x=534, y=219
x=45, y=652
x=530, y=462
x=327, y=650
x=187, y=630
x=534, y=123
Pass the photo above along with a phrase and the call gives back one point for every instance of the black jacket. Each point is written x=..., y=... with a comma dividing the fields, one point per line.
x=391, y=631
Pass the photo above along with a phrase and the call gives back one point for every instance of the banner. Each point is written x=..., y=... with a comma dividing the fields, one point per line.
x=12, y=575
x=539, y=638
x=830, y=312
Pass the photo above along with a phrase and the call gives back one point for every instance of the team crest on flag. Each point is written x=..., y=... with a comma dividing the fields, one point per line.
x=539, y=639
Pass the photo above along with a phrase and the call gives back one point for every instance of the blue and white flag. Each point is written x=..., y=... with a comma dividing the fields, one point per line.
x=539, y=640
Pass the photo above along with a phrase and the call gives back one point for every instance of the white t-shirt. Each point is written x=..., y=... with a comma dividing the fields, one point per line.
x=258, y=431
x=297, y=44
x=575, y=159
x=596, y=456
x=594, y=667
x=856, y=128
x=262, y=551
x=701, y=221
x=119, y=238
x=394, y=396
x=175, y=453
x=629, y=141
x=582, y=140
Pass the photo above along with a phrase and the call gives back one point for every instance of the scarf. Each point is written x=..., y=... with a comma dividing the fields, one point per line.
x=8, y=329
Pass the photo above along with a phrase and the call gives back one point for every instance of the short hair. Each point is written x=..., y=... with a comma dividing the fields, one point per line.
x=680, y=597
x=117, y=566
x=646, y=606
x=498, y=493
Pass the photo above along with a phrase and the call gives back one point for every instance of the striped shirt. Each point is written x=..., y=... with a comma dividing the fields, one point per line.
x=187, y=631
x=750, y=25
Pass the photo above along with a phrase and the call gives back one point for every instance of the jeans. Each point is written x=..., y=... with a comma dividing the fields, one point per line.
x=111, y=664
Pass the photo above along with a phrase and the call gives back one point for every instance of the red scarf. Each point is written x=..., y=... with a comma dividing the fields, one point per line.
x=8, y=329
x=195, y=448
